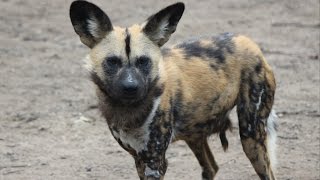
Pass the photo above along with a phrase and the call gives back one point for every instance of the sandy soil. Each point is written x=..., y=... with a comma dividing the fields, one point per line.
x=49, y=124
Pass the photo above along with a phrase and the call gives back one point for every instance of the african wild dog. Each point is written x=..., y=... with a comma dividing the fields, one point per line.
x=152, y=96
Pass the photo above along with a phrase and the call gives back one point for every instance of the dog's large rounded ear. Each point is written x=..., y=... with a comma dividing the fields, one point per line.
x=161, y=25
x=89, y=22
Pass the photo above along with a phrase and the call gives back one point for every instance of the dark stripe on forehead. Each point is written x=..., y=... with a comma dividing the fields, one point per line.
x=127, y=41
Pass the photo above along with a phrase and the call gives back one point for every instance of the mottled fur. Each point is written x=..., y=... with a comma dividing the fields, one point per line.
x=180, y=93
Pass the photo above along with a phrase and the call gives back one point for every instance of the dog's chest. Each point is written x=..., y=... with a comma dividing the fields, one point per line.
x=137, y=138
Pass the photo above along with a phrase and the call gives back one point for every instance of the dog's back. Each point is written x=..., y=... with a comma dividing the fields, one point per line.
x=205, y=78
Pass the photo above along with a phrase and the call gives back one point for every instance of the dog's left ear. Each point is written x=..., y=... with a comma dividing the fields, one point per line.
x=161, y=25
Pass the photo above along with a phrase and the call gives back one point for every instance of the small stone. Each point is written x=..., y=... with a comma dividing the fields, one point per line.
x=88, y=169
x=63, y=157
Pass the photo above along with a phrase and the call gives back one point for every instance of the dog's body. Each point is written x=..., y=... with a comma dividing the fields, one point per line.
x=151, y=97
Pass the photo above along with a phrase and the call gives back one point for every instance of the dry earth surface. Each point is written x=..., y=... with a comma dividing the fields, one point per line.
x=50, y=127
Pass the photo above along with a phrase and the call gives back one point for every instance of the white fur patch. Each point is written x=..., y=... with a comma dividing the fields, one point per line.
x=272, y=137
x=163, y=28
x=259, y=101
x=93, y=27
x=150, y=172
x=138, y=138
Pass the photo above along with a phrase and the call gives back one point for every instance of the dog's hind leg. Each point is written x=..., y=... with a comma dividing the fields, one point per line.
x=200, y=149
x=256, y=122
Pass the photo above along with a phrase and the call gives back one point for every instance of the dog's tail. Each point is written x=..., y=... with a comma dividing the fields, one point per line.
x=272, y=137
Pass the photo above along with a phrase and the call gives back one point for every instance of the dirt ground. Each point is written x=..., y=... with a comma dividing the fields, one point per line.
x=50, y=127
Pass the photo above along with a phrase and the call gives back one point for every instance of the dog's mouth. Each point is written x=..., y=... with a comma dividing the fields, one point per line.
x=124, y=99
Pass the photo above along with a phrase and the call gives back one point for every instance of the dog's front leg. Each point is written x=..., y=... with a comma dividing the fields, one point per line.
x=140, y=167
x=151, y=162
x=153, y=170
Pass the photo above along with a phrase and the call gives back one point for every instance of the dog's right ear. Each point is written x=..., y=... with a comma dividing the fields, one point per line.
x=89, y=22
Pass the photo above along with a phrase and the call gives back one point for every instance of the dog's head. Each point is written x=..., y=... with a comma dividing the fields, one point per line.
x=124, y=62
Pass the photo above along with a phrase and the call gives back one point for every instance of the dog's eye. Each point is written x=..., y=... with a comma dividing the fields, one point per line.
x=113, y=61
x=144, y=64
x=111, y=65
x=142, y=61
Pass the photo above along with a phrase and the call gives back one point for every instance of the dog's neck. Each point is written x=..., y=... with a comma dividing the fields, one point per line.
x=126, y=117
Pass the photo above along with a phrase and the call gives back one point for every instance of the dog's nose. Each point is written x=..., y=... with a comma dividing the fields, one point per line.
x=130, y=87
x=129, y=84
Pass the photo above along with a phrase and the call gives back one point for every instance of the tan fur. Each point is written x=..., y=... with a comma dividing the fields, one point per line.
x=199, y=82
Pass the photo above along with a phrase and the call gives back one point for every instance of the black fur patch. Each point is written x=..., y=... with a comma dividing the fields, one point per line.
x=224, y=42
x=96, y=79
x=194, y=49
x=127, y=42
x=221, y=45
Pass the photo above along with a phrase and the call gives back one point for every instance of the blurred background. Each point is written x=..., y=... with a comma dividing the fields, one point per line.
x=50, y=127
